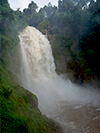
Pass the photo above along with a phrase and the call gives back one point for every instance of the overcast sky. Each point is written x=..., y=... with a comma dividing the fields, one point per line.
x=15, y=4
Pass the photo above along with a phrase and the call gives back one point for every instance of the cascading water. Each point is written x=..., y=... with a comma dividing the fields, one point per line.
x=37, y=59
x=38, y=75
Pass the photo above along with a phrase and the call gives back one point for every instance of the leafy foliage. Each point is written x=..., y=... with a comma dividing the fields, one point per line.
x=76, y=26
x=19, y=108
x=19, y=111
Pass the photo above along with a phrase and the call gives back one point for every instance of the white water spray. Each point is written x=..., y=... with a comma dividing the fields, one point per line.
x=38, y=75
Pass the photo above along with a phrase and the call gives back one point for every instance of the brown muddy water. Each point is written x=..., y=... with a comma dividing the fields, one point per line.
x=78, y=118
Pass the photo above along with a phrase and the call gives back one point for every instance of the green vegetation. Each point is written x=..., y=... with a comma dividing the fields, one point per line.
x=76, y=27
x=19, y=108
x=19, y=112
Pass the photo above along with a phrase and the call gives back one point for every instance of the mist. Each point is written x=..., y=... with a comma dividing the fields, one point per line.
x=56, y=90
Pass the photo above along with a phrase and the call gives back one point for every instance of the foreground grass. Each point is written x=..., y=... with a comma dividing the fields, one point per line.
x=19, y=108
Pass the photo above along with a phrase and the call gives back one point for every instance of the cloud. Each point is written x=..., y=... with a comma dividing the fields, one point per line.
x=41, y=3
x=15, y=4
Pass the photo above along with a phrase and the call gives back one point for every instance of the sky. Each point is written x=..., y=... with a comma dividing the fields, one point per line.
x=15, y=4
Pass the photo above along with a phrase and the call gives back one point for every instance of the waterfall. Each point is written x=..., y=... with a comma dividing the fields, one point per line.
x=37, y=62
x=38, y=75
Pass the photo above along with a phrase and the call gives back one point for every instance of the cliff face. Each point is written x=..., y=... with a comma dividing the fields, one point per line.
x=60, y=59
x=61, y=65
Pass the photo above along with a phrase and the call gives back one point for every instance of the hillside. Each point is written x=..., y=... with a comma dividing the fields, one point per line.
x=19, y=110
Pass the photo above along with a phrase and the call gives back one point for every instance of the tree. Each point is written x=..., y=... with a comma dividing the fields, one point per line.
x=30, y=13
x=4, y=2
x=60, y=5
x=49, y=10
x=32, y=7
